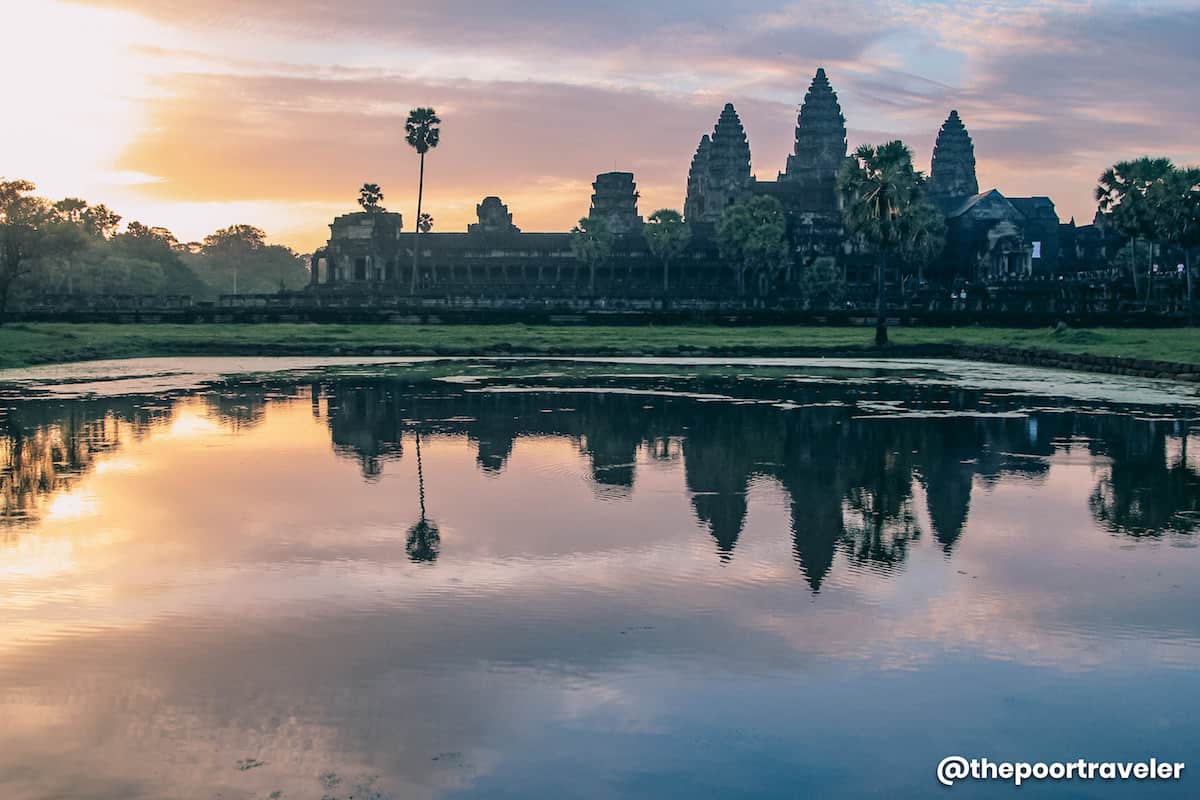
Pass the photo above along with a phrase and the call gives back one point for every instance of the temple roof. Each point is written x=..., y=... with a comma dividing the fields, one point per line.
x=1028, y=207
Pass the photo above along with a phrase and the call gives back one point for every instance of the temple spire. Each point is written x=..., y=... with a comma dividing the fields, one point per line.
x=820, y=135
x=952, y=173
x=694, y=209
x=720, y=172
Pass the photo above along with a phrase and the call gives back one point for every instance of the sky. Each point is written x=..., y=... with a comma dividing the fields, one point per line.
x=196, y=115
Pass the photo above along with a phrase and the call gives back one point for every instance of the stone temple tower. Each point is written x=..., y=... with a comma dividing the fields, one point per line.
x=820, y=137
x=953, y=171
x=614, y=198
x=720, y=172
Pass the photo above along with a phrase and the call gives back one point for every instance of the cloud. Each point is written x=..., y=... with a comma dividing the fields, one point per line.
x=261, y=102
x=538, y=145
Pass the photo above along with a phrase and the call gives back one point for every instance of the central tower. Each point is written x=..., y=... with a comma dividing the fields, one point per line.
x=820, y=137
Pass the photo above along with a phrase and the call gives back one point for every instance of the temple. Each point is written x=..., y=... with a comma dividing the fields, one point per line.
x=990, y=237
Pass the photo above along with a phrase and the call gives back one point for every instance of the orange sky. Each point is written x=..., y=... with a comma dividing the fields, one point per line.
x=199, y=115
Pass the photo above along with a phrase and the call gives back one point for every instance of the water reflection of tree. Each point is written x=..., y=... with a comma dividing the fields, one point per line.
x=1145, y=492
x=424, y=540
x=45, y=446
x=880, y=521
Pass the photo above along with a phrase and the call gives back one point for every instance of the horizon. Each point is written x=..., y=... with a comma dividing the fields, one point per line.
x=194, y=118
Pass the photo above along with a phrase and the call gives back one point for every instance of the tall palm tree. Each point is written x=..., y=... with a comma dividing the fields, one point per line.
x=422, y=134
x=883, y=203
x=1121, y=192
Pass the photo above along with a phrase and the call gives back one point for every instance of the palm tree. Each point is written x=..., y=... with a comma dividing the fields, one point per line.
x=1121, y=192
x=883, y=206
x=592, y=243
x=422, y=134
x=1175, y=206
x=667, y=236
x=369, y=197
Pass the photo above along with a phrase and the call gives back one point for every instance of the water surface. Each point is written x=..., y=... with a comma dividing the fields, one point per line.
x=503, y=578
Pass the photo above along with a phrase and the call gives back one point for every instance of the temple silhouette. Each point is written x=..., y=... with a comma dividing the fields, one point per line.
x=990, y=237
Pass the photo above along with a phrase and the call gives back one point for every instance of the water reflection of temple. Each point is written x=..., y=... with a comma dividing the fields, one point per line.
x=856, y=477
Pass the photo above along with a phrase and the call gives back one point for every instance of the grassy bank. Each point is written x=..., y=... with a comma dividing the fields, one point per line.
x=44, y=343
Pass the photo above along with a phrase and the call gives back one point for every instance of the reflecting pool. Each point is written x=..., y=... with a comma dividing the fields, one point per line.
x=516, y=579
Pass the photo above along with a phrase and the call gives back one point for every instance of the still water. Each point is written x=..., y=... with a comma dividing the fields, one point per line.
x=516, y=579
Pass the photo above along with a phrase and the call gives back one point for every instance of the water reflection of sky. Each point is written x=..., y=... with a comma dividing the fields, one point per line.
x=633, y=595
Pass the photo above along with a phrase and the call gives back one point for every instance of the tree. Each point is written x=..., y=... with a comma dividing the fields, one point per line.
x=97, y=220
x=425, y=223
x=71, y=209
x=100, y=221
x=1121, y=192
x=884, y=207
x=592, y=243
x=1174, y=201
x=422, y=134
x=823, y=279
x=922, y=236
x=667, y=236
x=752, y=236
x=238, y=259
x=30, y=231
x=159, y=245
x=369, y=197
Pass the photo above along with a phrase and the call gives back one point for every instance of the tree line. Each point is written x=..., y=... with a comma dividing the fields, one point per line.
x=1152, y=201
x=71, y=247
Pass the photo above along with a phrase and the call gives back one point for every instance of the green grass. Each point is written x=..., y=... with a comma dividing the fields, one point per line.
x=44, y=343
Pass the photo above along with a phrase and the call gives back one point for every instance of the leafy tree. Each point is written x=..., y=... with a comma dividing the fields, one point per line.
x=71, y=209
x=369, y=197
x=1121, y=192
x=884, y=206
x=159, y=245
x=422, y=134
x=1175, y=204
x=425, y=223
x=30, y=231
x=97, y=220
x=100, y=221
x=238, y=260
x=824, y=281
x=667, y=236
x=752, y=236
x=592, y=243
